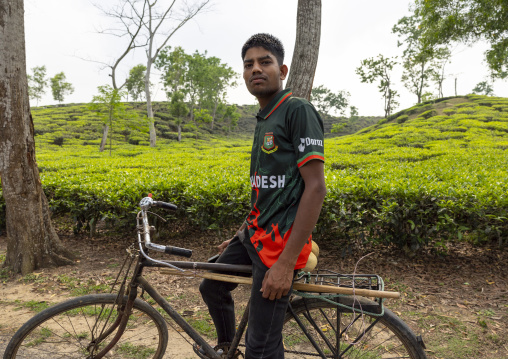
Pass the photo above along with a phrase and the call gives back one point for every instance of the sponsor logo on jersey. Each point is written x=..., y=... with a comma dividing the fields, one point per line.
x=267, y=181
x=269, y=143
x=309, y=142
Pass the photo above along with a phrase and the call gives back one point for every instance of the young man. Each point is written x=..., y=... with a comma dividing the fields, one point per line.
x=288, y=188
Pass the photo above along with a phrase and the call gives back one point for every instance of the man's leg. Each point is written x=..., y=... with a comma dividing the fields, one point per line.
x=266, y=317
x=217, y=294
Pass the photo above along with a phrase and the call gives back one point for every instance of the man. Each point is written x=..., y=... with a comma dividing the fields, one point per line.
x=288, y=188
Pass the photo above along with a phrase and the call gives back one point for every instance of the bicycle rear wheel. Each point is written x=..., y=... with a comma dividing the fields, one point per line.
x=338, y=332
x=68, y=329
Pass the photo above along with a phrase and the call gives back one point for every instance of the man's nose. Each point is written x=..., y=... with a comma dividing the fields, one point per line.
x=256, y=67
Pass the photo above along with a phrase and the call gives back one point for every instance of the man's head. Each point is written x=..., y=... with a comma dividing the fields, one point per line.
x=263, y=68
x=267, y=42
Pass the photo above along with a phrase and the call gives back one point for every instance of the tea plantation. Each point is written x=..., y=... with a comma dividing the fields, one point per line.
x=430, y=174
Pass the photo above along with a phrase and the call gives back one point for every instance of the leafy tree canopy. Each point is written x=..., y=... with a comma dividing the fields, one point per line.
x=326, y=101
x=468, y=21
x=136, y=82
x=37, y=83
x=60, y=88
x=483, y=88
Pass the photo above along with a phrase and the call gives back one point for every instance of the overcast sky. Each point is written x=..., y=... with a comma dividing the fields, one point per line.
x=60, y=34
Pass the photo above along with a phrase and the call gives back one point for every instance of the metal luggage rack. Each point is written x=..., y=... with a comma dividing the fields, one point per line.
x=332, y=278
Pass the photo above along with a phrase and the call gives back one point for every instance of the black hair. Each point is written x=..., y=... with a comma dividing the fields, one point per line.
x=267, y=42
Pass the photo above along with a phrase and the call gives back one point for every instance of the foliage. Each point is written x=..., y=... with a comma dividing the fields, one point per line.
x=60, y=88
x=178, y=109
x=432, y=178
x=468, y=21
x=483, y=88
x=325, y=100
x=231, y=117
x=37, y=83
x=379, y=70
x=203, y=80
x=422, y=61
x=110, y=110
x=135, y=83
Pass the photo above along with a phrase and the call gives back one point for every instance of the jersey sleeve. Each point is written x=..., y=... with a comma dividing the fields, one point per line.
x=307, y=134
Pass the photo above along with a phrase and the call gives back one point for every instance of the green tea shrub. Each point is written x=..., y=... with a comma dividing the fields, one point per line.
x=427, y=114
x=402, y=119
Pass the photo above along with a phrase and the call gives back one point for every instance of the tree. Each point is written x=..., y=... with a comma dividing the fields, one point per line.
x=37, y=83
x=438, y=75
x=108, y=106
x=420, y=59
x=179, y=110
x=468, y=21
x=32, y=242
x=218, y=78
x=150, y=26
x=135, y=83
x=231, y=116
x=483, y=88
x=174, y=66
x=60, y=88
x=379, y=70
x=326, y=101
x=305, y=54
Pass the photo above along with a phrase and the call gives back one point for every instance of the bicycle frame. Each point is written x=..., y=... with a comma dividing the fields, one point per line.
x=137, y=279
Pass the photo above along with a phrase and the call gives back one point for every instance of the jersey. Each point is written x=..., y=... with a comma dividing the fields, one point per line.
x=289, y=133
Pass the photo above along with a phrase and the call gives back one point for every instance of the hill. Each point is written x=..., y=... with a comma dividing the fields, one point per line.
x=433, y=173
x=75, y=124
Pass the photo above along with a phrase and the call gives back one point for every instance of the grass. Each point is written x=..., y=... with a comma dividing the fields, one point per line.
x=135, y=351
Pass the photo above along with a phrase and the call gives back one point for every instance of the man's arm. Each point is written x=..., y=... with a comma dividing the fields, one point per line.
x=279, y=277
x=221, y=247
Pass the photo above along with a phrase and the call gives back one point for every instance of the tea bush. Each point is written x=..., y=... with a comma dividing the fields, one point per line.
x=426, y=180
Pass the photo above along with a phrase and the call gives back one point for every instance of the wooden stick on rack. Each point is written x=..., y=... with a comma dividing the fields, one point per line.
x=304, y=287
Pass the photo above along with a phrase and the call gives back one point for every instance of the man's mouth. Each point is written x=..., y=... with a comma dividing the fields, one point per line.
x=257, y=79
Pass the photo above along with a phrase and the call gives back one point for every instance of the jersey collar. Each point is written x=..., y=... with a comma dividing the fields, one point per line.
x=274, y=103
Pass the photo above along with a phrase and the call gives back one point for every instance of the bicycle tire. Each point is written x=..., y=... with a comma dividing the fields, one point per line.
x=66, y=330
x=389, y=337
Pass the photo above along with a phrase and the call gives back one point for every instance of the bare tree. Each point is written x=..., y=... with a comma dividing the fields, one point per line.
x=150, y=24
x=305, y=55
x=31, y=239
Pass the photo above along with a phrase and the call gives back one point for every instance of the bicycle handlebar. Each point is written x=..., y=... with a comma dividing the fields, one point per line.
x=165, y=205
x=144, y=228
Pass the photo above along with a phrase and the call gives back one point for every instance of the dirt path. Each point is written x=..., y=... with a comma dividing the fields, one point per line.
x=458, y=302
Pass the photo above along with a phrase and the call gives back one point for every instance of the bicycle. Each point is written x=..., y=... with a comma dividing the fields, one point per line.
x=123, y=325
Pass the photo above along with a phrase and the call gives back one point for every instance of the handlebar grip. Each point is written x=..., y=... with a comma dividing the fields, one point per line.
x=177, y=251
x=165, y=205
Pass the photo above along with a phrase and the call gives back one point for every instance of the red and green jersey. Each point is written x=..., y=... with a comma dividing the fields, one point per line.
x=289, y=134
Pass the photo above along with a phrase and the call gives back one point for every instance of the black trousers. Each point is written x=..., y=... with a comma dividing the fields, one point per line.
x=264, y=332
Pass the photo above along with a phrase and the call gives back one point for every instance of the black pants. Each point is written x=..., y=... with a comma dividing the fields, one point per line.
x=264, y=332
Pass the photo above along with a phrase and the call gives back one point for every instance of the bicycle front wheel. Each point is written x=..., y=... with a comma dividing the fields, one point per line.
x=336, y=332
x=70, y=330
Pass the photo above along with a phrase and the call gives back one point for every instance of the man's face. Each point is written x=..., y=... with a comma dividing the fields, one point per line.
x=262, y=74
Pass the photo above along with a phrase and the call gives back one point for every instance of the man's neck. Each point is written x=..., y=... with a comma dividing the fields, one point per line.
x=264, y=101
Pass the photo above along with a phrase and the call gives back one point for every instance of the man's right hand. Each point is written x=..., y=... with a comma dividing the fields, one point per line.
x=223, y=245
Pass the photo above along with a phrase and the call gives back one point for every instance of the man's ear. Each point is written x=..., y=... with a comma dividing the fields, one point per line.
x=283, y=72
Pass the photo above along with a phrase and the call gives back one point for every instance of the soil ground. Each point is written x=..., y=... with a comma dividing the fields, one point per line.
x=458, y=301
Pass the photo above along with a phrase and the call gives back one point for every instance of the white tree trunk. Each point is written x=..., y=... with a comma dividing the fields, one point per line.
x=31, y=240
x=104, y=140
x=305, y=55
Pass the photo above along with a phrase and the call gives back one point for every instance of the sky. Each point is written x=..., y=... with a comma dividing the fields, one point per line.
x=65, y=36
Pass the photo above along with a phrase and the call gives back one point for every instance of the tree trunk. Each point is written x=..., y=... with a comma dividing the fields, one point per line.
x=305, y=55
x=149, y=108
x=179, y=133
x=104, y=138
x=31, y=239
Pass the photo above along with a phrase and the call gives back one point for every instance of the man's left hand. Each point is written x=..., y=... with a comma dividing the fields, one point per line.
x=277, y=281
